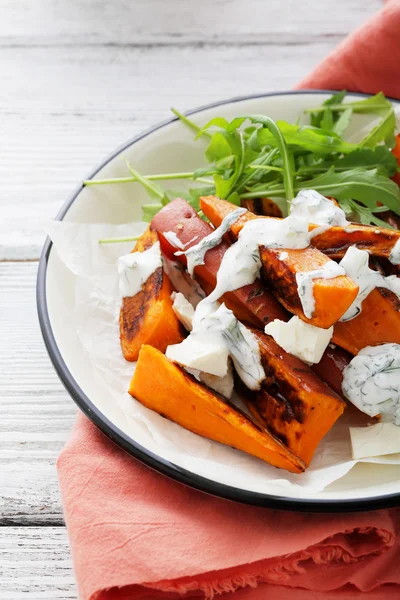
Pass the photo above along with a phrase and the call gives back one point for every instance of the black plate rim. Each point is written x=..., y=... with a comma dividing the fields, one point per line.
x=113, y=432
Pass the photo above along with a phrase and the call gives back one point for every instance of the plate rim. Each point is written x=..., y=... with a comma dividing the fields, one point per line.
x=123, y=440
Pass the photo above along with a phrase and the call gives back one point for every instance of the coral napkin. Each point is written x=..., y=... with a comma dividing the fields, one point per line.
x=135, y=534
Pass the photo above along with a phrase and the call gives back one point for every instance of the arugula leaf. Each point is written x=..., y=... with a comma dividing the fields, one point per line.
x=379, y=105
x=343, y=122
x=365, y=186
x=327, y=120
x=382, y=132
x=219, y=147
x=272, y=128
x=364, y=215
x=368, y=187
x=317, y=117
x=307, y=139
x=379, y=158
x=154, y=190
x=191, y=124
x=224, y=187
x=150, y=211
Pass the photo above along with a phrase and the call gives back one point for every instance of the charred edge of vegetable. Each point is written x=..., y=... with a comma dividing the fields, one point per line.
x=133, y=310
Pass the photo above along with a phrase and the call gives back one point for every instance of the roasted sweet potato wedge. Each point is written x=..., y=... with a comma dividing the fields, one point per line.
x=335, y=241
x=178, y=396
x=293, y=403
x=332, y=296
x=252, y=304
x=262, y=207
x=378, y=323
x=148, y=317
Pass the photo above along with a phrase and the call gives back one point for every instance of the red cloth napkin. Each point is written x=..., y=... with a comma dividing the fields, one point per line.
x=135, y=534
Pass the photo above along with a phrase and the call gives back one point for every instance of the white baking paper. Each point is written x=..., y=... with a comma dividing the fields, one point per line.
x=95, y=318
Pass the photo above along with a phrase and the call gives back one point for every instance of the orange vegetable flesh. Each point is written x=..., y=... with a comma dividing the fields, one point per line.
x=294, y=404
x=148, y=317
x=252, y=304
x=332, y=296
x=335, y=241
x=167, y=389
x=378, y=323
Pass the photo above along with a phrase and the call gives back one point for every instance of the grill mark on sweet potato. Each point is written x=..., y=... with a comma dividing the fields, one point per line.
x=134, y=308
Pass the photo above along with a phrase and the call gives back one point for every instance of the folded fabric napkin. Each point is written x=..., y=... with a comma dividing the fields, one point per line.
x=136, y=534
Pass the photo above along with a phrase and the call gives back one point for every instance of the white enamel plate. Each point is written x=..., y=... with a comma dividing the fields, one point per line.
x=169, y=148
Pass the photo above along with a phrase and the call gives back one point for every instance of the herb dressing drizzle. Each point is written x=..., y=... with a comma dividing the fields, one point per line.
x=135, y=268
x=356, y=265
x=195, y=254
x=371, y=381
x=395, y=254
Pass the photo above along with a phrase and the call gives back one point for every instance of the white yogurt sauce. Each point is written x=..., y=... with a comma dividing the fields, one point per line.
x=371, y=381
x=305, y=284
x=316, y=209
x=173, y=239
x=241, y=263
x=395, y=254
x=195, y=254
x=134, y=269
x=355, y=264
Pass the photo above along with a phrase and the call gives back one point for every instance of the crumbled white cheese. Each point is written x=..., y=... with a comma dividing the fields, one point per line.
x=206, y=354
x=222, y=385
x=217, y=334
x=375, y=440
x=134, y=269
x=183, y=310
x=300, y=339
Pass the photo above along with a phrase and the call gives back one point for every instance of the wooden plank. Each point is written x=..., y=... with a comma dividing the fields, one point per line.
x=143, y=22
x=35, y=562
x=90, y=100
x=36, y=412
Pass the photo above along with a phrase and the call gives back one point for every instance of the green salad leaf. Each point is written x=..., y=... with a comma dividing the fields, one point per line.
x=252, y=156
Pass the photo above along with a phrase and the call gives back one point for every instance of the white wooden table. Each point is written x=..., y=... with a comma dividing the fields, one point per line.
x=78, y=78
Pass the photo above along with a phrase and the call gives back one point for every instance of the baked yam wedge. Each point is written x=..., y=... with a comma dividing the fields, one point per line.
x=253, y=304
x=293, y=403
x=148, y=317
x=332, y=296
x=179, y=397
x=377, y=323
x=334, y=242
